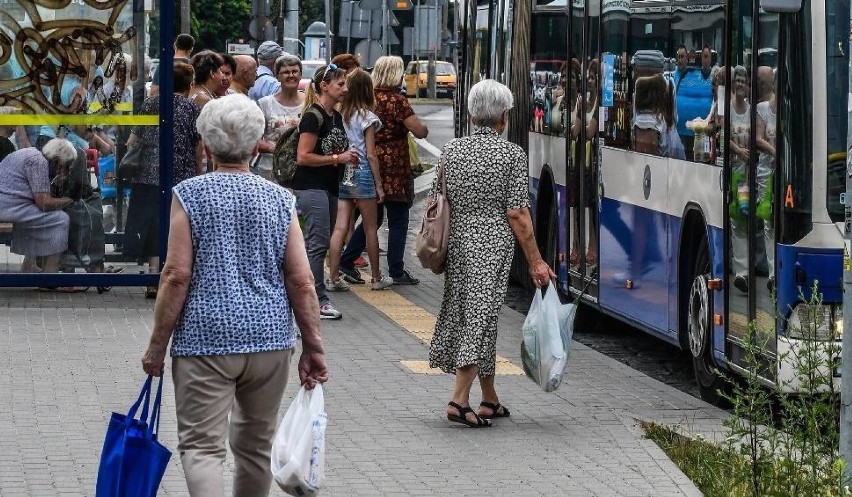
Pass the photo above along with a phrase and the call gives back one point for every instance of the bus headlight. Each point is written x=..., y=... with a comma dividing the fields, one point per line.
x=816, y=322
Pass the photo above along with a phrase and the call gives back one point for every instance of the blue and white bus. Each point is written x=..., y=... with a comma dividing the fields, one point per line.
x=686, y=160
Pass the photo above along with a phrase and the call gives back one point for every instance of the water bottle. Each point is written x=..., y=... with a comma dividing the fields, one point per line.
x=742, y=198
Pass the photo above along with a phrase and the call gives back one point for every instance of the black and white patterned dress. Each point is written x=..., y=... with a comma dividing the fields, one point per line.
x=486, y=177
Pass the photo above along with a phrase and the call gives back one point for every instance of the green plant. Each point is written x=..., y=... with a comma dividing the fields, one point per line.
x=778, y=444
x=790, y=441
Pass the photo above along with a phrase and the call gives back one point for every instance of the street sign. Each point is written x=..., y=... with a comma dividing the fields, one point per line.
x=240, y=49
x=392, y=20
x=370, y=4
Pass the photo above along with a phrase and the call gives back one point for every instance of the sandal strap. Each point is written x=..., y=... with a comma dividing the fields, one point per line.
x=463, y=413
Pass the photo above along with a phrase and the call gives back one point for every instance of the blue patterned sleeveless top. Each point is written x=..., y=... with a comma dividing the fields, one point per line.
x=237, y=303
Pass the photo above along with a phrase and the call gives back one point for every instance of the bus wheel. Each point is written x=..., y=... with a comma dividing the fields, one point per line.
x=700, y=331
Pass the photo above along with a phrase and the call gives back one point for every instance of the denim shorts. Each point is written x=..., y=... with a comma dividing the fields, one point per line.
x=365, y=185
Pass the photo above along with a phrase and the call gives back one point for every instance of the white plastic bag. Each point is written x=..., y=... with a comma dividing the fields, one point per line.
x=298, y=449
x=548, y=329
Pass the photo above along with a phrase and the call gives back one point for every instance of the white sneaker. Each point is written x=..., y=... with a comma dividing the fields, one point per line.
x=336, y=286
x=327, y=311
x=384, y=282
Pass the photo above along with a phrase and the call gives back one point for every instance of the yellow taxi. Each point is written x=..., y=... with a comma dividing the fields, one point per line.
x=417, y=80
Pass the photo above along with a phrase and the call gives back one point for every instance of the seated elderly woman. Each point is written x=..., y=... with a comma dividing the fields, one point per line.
x=229, y=306
x=486, y=179
x=40, y=226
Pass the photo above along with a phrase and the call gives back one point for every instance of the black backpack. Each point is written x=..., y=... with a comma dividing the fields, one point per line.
x=284, y=156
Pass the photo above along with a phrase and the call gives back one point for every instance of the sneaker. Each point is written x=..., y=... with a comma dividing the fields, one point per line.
x=405, y=279
x=327, y=311
x=352, y=276
x=384, y=282
x=741, y=284
x=360, y=262
x=336, y=285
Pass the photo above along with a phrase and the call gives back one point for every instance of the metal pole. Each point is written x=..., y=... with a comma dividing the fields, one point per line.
x=349, y=31
x=184, y=16
x=385, y=21
x=328, y=31
x=846, y=354
x=290, y=35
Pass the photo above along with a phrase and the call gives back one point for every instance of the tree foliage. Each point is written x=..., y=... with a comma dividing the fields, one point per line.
x=215, y=22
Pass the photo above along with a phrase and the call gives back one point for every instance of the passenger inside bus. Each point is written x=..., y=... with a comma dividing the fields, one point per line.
x=587, y=107
x=739, y=157
x=694, y=90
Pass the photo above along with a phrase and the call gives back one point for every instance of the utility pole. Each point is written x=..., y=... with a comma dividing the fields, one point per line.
x=290, y=35
x=385, y=27
x=328, y=31
x=184, y=16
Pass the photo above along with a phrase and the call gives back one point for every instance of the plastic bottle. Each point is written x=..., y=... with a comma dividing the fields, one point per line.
x=742, y=198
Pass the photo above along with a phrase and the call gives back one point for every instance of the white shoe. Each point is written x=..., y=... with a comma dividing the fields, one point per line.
x=336, y=285
x=327, y=311
x=384, y=282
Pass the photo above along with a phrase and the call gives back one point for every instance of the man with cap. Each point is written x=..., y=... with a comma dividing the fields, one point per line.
x=266, y=83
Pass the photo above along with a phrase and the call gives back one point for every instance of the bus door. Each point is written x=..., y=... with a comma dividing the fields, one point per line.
x=750, y=127
x=583, y=150
x=635, y=44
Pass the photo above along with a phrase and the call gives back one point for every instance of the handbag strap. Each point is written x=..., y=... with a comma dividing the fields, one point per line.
x=145, y=395
x=154, y=426
x=442, y=178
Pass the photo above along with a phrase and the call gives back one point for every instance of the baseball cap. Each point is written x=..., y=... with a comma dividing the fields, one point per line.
x=268, y=50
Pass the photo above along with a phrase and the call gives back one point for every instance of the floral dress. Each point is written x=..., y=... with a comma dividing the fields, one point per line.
x=486, y=177
x=392, y=145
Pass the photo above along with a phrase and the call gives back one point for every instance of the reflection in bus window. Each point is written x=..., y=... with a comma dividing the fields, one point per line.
x=546, y=62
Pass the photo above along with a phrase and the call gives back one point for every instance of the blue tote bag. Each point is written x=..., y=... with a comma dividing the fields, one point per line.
x=133, y=461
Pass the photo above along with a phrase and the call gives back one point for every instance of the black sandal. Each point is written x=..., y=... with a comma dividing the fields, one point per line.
x=495, y=410
x=462, y=417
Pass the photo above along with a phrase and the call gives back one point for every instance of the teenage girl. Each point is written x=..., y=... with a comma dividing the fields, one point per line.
x=363, y=186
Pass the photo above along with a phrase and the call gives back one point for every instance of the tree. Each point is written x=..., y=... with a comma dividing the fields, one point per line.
x=214, y=22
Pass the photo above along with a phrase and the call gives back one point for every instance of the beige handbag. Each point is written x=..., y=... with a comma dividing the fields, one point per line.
x=433, y=239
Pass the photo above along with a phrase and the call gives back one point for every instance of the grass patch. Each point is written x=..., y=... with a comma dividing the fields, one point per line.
x=712, y=468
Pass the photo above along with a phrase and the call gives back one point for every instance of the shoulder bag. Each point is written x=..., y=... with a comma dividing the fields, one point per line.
x=431, y=244
x=131, y=162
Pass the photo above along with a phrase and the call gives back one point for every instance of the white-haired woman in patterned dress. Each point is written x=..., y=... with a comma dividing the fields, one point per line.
x=236, y=269
x=489, y=207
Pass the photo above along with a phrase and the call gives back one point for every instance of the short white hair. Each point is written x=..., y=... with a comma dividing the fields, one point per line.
x=59, y=148
x=487, y=102
x=230, y=127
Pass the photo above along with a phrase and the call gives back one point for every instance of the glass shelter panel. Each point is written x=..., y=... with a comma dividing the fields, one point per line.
x=73, y=78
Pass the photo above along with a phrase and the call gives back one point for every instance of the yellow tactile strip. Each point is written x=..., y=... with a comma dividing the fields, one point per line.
x=417, y=321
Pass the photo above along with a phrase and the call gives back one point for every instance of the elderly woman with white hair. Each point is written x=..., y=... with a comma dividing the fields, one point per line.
x=235, y=273
x=40, y=226
x=486, y=178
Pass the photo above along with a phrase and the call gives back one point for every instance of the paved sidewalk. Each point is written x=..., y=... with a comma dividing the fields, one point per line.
x=72, y=359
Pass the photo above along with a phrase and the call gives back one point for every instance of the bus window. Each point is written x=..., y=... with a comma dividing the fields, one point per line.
x=698, y=33
x=837, y=65
x=546, y=61
x=794, y=106
x=615, y=31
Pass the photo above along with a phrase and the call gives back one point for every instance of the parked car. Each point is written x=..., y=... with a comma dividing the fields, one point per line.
x=309, y=67
x=417, y=78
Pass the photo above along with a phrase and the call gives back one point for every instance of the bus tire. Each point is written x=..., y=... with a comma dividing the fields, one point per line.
x=700, y=330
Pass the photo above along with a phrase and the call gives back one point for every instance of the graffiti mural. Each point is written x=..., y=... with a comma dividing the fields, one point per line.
x=68, y=56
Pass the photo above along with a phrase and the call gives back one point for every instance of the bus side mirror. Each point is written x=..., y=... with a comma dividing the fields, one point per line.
x=781, y=6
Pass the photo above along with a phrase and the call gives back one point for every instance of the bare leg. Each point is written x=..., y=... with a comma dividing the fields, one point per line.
x=368, y=217
x=461, y=389
x=51, y=263
x=489, y=394
x=335, y=246
x=29, y=265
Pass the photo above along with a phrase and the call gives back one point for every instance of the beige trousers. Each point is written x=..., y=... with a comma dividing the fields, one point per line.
x=249, y=387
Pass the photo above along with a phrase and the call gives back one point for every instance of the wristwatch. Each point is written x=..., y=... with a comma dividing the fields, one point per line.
x=334, y=158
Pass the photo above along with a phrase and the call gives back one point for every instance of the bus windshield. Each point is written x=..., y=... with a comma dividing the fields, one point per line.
x=837, y=70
